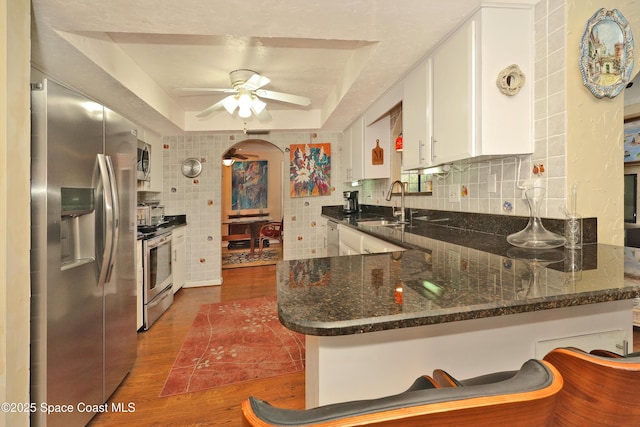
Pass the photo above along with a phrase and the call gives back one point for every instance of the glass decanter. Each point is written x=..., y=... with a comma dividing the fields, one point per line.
x=534, y=235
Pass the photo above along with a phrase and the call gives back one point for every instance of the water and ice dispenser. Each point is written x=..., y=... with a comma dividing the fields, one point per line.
x=77, y=226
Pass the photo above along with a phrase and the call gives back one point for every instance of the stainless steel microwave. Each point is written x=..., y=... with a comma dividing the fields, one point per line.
x=143, y=167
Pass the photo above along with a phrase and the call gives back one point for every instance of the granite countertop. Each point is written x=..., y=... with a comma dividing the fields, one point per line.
x=445, y=275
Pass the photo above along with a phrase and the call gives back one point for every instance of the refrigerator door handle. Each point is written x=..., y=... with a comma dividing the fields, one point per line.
x=115, y=211
x=105, y=181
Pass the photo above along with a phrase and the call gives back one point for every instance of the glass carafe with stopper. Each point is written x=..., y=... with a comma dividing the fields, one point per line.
x=534, y=235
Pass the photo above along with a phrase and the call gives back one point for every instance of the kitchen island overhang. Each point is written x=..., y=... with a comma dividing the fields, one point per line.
x=376, y=322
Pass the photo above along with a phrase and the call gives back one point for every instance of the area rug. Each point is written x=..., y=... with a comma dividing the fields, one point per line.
x=242, y=258
x=234, y=342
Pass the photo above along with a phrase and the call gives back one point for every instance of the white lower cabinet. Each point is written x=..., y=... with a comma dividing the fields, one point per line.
x=350, y=241
x=179, y=254
x=615, y=341
x=353, y=242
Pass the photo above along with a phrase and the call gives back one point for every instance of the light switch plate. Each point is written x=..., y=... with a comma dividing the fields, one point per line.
x=454, y=193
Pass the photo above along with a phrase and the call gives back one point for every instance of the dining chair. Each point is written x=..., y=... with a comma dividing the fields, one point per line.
x=270, y=230
x=527, y=398
x=600, y=389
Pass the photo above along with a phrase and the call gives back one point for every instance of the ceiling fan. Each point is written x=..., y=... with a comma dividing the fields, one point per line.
x=245, y=93
x=232, y=155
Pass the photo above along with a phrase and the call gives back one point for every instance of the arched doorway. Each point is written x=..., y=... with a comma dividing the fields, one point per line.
x=252, y=196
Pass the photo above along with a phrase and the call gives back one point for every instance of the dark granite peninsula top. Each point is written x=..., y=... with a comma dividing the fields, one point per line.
x=445, y=275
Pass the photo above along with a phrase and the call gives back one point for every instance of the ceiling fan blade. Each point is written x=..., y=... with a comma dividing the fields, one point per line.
x=284, y=97
x=218, y=105
x=256, y=81
x=188, y=91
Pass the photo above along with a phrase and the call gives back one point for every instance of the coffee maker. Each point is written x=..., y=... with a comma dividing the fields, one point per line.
x=350, y=202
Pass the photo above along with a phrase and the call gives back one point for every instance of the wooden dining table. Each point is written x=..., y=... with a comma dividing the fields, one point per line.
x=243, y=228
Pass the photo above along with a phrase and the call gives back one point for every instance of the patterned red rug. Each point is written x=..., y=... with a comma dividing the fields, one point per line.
x=234, y=342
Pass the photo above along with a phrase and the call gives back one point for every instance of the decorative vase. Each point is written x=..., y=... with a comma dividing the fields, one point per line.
x=534, y=235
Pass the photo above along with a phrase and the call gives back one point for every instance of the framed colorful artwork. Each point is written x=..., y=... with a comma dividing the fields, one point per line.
x=310, y=170
x=632, y=140
x=606, y=53
x=249, y=185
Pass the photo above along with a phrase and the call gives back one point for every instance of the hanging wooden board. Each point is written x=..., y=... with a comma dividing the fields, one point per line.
x=377, y=154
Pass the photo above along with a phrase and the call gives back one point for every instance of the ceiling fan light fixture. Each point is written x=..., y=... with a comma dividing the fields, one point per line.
x=230, y=103
x=244, y=112
x=244, y=103
x=228, y=162
x=258, y=105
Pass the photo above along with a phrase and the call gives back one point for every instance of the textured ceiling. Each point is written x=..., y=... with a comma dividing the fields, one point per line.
x=342, y=54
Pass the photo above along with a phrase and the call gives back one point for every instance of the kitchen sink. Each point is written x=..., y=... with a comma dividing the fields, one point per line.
x=380, y=223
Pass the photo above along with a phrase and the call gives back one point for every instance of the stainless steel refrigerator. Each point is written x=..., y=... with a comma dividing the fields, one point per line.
x=83, y=253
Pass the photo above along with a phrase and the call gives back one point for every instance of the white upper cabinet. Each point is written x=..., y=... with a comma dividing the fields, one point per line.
x=416, y=117
x=453, y=97
x=366, y=149
x=353, y=146
x=471, y=116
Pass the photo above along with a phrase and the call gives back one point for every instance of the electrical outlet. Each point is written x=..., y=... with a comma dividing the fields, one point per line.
x=454, y=193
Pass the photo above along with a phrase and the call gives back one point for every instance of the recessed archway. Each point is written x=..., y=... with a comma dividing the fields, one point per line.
x=252, y=195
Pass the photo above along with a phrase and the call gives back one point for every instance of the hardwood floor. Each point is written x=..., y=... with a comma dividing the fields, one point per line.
x=158, y=347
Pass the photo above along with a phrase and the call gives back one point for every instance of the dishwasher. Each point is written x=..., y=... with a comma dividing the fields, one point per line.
x=333, y=239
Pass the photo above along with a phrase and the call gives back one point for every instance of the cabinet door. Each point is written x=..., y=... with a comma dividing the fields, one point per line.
x=372, y=245
x=453, y=97
x=416, y=117
x=354, y=140
x=377, y=149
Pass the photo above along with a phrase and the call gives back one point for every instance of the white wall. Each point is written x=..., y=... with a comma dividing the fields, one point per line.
x=14, y=207
x=595, y=149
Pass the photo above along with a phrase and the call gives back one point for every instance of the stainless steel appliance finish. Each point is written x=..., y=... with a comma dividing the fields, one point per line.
x=143, y=165
x=83, y=338
x=158, y=277
x=350, y=204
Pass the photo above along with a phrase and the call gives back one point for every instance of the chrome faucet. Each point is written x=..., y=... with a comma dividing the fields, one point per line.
x=390, y=193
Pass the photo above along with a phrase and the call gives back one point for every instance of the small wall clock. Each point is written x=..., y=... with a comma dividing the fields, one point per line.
x=191, y=167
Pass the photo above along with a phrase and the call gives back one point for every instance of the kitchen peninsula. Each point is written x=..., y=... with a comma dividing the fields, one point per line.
x=373, y=323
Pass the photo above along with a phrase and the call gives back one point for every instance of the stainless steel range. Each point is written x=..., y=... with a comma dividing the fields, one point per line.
x=158, y=278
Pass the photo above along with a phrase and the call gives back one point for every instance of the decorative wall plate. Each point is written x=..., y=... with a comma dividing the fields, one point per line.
x=191, y=167
x=606, y=53
x=510, y=80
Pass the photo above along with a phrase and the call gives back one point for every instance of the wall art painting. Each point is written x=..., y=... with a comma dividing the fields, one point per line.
x=249, y=185
x=310, y=170
x=632, y=140
x=606, y=53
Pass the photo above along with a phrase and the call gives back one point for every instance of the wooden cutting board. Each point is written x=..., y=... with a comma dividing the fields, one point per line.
x=377, y=154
